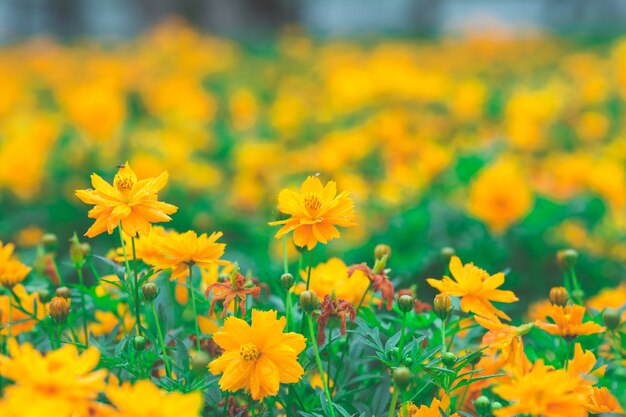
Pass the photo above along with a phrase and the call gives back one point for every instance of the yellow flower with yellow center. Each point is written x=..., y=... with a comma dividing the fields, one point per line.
x=257, y=357
x=133, y=204
x=144, y=399
x=568, y=322
x=315, y=213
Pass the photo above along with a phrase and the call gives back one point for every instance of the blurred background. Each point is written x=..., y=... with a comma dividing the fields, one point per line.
x=493, y=127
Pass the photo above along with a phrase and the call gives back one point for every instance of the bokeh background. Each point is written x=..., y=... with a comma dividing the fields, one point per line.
x=493, y=127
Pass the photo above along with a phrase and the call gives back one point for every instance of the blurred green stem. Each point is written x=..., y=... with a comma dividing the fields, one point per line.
x=136, y=287
x=394, y=401
x=168, y=369
x=83, y=305
x=193, y=305
x=308, y=275
x=320, y=368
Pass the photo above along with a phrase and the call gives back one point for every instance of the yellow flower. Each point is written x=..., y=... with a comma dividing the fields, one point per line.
x=541, y=392
x=257, y=357
x=179, y=250
x=12, y=271
x=476, y=288
x=568, y=322
x=331, y=276
x=315, y=212
x=128, y=202
x=106, y=321
x=20, y=321
x=500, y=196
x=427, y=411
x=62, y=374
x=144, y=399
x=602, y=401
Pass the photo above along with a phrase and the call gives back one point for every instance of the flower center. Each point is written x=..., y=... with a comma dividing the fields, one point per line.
x=125, y=178
x=312, y=201
x=249, y=352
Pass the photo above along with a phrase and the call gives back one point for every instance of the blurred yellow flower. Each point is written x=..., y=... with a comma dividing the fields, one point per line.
x=12, y=271
x=568, y=322
x=144, y=399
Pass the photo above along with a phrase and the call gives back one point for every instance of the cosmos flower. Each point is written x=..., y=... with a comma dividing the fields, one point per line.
x=315, y=213
x=23, y=319
x=476, y=288
x=12, y=271
x=542, y=391
x=144, y=399
x=413, y=410
x=133, y=204
x=257, y=357
x=602, y=401
x=568, y=322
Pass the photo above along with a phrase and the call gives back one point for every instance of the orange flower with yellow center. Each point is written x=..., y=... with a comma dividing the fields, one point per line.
x=568, y=322
x=315, y=213
x=476, y=288
x=12, y=271
x=542, y=391
x=179, y=250
x=128, y=202
x=257, y=357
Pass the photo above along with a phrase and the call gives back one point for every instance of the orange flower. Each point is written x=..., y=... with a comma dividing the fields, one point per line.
x=541, y=392
x=12, y=271
x=179, y=250
x=315, y=213
x=476, y=289
x=128, y=202
x=568, y=322
x=425, y=411
x=602, y=401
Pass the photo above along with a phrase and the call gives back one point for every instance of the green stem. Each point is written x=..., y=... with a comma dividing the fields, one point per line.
x=168, y=368
x=329, y=351
x=443, y=336
x=10, y=320
x=288, y=296
x=320, y=368
x=308, y=275
x=401, y=349
x=136, y=287
x=394, y=401
x=83, y=305
x=469, y=382
x=193, y=305
x=126, y=264
x=285, y=260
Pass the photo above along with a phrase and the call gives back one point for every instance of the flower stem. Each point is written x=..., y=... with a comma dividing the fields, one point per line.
x=394, y=401
x=401, y=349
x=329, y=351
x=193, y=305
x=288, y=296
x=82, y=303
x=308, y=275
x=136, y=286
x=443, y=336
x=166, y=361
x=320, y=368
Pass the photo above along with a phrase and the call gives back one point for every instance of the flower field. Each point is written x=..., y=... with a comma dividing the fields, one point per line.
x=194, y=226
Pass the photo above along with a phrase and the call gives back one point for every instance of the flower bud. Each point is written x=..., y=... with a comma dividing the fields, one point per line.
x=309, y=301
x=559, y=296
x=405, y=303
x=86, y=249
x=495, y=406
x=408, y=361
x=442, y=305
x=149, y=291
x=50, y=242
x=446, y=253
x=199, y=362
x=381, y=250
x=77, y=256
x=59, y=309
x=567, y=258
x=63, y=292
x=578, y=295
x=286, y=280
x=448, y=359
x=474, y=356
x=482, y=405
x=402, y=377
x=611, y=318
x=44, y=296
x=139, y=342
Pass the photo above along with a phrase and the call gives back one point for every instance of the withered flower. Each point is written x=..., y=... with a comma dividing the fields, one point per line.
x=380, y=282
x=333, y=307
x=229, y=290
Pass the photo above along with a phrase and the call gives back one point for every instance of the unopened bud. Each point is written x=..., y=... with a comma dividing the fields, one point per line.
x=199, y=362
x=495, y=406
x=442, y=305
x=482, y=405
x=44, y=295
x=559, y=296
x=63, y=292
x=379, y=265
x=309, y=301
x=86, y=249
x=448, y=359
x=287, y=280
x=611, y=318
x=381, y=250
x=567, y=258
x=59, y=309
x=473, y=356
x=50, y=242
x=405, y=303
x=446, y=253
x=139, y=342
x=149, y=291
x=402, y=377
x=408, y=361
x=77, y=256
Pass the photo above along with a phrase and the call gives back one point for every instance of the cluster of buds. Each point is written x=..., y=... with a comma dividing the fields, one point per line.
x=333, y=308
x=232, y=288
x=485, y=407
x=60, y=309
